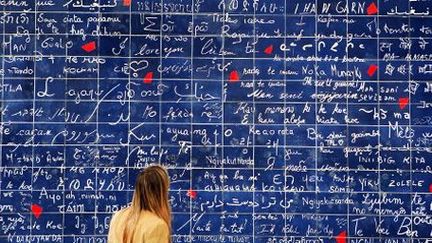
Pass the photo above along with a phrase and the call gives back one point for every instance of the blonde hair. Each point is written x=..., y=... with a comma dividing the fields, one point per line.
x=151, y=194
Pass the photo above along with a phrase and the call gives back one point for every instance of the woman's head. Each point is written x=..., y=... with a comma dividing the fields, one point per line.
x=151, y=189
x=151, y=194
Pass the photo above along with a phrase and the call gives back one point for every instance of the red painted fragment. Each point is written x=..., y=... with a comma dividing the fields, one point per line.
x=234, y=76
x=341, y=237
x=148, y=78
x=372, y=70
x=126, y=3
x=89, y=47
x=372, y=9
x=268, y=50
x=403, y=102
x=191, y=193
x=37, y=210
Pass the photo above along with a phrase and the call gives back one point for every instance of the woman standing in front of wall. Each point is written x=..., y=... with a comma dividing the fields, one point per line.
x=148, y=219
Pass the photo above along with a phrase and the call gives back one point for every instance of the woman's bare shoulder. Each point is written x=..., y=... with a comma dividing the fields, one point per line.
x=120, y=213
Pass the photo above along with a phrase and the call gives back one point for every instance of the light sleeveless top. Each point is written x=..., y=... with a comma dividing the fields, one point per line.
x=150, y=228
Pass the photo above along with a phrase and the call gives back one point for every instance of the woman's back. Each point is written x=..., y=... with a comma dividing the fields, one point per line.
x=149, y=228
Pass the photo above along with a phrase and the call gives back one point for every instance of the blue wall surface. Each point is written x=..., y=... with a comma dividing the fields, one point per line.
x=278, y=120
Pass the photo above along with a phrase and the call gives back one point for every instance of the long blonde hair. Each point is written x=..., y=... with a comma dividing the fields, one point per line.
x=151, y=194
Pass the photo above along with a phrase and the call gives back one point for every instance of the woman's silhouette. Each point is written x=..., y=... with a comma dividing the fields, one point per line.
x=148, y=218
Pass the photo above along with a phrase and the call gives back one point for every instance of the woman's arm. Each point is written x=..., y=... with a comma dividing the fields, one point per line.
x=112, y=238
